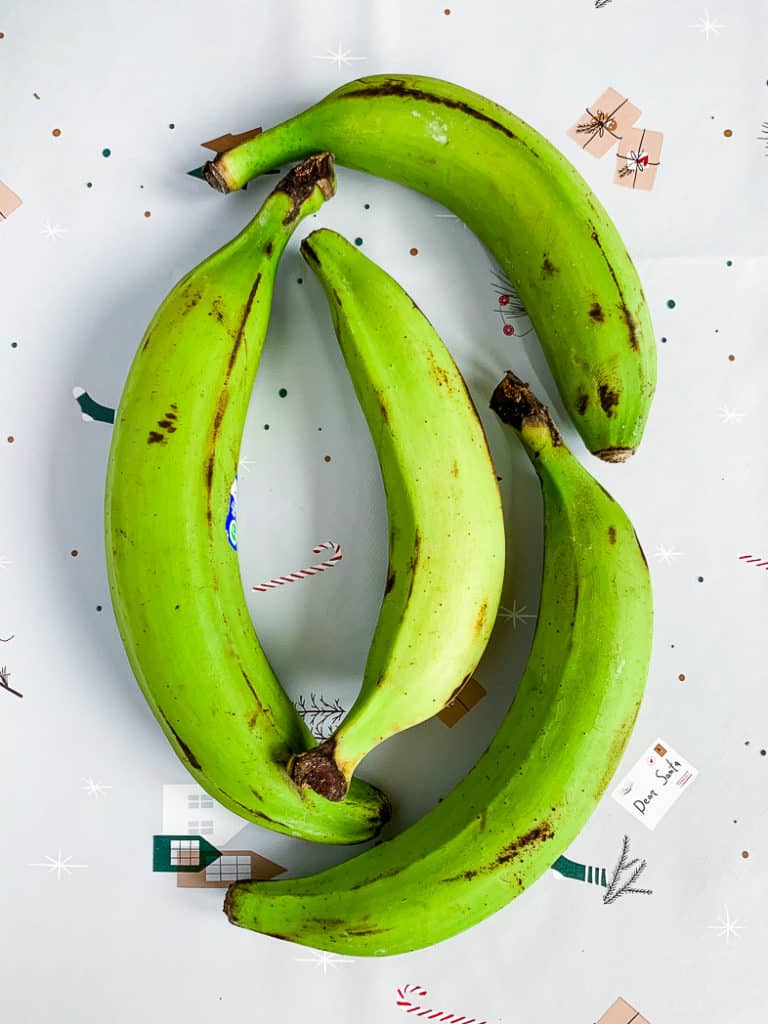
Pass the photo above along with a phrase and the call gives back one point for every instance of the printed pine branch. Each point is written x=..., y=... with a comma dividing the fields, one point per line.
x=615, y=889
x=514, y=306
x=321, y=716
x=601, y=3
x=5, y=675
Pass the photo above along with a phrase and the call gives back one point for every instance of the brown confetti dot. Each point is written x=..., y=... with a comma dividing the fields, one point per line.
x=147, y=213
x=2, y=35
x=414, y=252
x=745, y=854
x=11, y=439
x=327, y=458
x=681, y=677
x=731, y=358
x=447, y=10
x=727, y=133
x=74, y=552
x=56, y=133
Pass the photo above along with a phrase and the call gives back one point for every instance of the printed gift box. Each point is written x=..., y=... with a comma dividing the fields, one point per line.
x=638, y=158
x=604, y=123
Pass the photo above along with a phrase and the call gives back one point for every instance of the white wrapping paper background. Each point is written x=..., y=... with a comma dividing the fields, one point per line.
x=101, y=936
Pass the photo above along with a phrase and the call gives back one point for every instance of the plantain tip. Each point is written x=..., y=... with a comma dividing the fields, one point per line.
x=614, y=454
x=516, y=405
x=299, y=183
x=316, y=769
x=215, y=176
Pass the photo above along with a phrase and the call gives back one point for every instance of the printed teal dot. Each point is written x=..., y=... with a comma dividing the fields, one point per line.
x=89, y=184
x=762, y=753
x=266, y=426
x=106, y=152
x=729, y=263
x=663, y=341
x=671, y=303
x=299, y=280
x=171, y=125
x=700, y=579
x=358, y=241
x=366, y=206
x=14, y=344
x=98, y=607
x=283, y=392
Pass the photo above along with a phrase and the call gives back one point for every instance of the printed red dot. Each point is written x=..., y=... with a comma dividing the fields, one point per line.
x=447, y=10
x=508, y=329
x=745, y=854
x=731, y=358
x=56, y=133
x=2, y=35
x=503, y=300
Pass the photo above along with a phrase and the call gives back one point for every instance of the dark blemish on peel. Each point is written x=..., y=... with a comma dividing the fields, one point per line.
x=596, y=313
x=608, y=399
x=155, y=437
x=612, y=534
x=391, y=577
x=548, y=268
x=581, y=404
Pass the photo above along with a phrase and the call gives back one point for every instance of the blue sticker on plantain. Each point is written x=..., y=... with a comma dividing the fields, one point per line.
x=231, y=523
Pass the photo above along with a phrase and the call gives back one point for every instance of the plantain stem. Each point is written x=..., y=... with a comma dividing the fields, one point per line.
x=516, y=405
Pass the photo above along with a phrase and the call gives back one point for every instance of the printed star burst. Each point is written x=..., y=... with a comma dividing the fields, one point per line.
x=245, y=464
x=339, y=57
x=324, y=959
x=515, y=614
x=730, y=415
x=708, y=25
x=94, y=788
x=61, y=865
x=666, y=555
x=726, y=927
x=53, y=230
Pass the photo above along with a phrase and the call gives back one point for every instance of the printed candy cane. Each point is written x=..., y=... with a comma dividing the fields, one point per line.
x=311, y=570
x=418, y=1011
x=756, y=560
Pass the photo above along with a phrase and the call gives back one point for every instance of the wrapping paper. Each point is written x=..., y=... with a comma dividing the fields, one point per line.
x=105, y=107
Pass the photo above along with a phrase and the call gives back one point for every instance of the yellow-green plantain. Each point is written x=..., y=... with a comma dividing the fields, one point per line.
x=556, y=750
x=524, y=200
x=446, y=527
x=173, y=574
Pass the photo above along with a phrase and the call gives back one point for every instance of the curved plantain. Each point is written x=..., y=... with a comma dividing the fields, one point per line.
x=446, y=527
x=174, y=576
x=537, y=784
x=525, y=201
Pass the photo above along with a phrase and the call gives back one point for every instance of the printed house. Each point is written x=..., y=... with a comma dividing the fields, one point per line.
x=182, y=853
x=189, y=810
x=231, y=866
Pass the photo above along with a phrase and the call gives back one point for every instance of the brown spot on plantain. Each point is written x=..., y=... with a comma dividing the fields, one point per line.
x=581, y=403
x=612, y=534
x=391, y=577
x=548, y=269
x=596, y=313
x=455, y=468
x=522, y=844
x=482, y=614
x=608, y=399
x=156, y=437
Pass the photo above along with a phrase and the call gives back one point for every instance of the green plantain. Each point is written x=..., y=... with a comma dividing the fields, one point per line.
x=446, y=528
x=524, y=200
x=540, y=779
x=174, y=575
